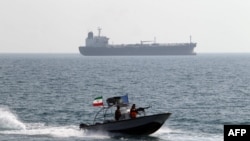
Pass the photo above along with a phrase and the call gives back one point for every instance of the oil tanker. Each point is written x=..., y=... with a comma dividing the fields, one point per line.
x=99, y=46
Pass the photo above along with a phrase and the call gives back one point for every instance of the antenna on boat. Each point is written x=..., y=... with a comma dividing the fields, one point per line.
x=99, y=31
x=190, y=39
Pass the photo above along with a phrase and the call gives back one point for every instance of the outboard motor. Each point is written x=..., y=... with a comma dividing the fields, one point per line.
x=82, y=126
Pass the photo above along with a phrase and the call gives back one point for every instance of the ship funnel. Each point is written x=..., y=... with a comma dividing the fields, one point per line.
x=90, y=35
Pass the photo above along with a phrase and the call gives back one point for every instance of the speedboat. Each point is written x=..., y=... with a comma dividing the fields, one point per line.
x=143, y=124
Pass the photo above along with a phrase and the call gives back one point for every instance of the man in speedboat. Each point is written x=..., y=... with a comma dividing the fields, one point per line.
x=117, y=113
x=133, y=112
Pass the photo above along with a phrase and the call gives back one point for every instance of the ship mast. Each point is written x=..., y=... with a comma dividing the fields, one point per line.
x=99, y=31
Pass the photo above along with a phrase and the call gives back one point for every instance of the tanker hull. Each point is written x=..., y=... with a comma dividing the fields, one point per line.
x=136, y=51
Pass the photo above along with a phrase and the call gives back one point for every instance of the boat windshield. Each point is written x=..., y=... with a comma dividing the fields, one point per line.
x=107, y=113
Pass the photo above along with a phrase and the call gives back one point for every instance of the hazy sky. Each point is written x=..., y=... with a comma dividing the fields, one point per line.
x=60, y=26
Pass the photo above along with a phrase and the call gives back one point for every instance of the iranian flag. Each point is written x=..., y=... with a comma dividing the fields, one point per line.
x=98, y=101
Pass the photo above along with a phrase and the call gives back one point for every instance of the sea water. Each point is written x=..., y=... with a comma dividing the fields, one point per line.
x=47, y=96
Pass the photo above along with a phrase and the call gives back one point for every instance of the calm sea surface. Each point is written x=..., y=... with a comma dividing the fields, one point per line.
x=46, y=96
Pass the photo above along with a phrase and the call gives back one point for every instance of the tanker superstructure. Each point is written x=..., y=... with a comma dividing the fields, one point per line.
x=99, y=46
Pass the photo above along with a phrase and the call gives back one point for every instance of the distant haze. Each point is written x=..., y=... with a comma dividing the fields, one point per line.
x=60, y=26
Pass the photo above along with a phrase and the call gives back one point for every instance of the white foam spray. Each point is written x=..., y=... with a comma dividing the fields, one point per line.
x=9, y=121
x=180, y=135
x=55, y=132
x=11, y=125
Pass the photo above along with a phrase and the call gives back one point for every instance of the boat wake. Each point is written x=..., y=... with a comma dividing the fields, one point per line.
x=168, y=134
x=9, y=121
x=11, y=125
